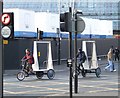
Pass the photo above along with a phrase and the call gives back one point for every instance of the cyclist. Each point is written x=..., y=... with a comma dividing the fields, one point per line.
x=28, y=58
x=82, y=57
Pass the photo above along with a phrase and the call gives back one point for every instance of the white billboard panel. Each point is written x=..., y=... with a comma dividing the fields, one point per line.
x=47, y=22
x=97, y=27
x=24, y=20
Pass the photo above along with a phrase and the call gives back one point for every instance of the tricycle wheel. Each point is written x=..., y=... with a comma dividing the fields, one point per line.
x=50, y=74
x=98, y=72
x=21, y=76
x=39, y=74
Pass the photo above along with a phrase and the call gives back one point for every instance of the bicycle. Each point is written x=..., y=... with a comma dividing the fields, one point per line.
x=24, y=71
x=79, y=70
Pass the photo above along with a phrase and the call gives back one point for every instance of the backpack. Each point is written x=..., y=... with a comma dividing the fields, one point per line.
x=33, y=61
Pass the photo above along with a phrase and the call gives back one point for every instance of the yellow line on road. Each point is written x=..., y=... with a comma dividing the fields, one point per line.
x=96, y=91
x=39, y=88
x=98, y=87
x=107, y=82
x=53, y=83
x=30, y=92
x=57, y=89
x=103, y=88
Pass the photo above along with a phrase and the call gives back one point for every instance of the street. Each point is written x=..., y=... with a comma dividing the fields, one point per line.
x=106, y=85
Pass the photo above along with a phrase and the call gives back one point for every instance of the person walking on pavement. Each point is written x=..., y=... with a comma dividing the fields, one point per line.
x=116, y=52
x=110, y=60
x=113, y=51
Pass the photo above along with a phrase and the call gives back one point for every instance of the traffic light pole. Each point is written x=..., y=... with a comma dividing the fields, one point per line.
x=75, y=53
x=1, y=52
x=70, y=56
x=75, y=58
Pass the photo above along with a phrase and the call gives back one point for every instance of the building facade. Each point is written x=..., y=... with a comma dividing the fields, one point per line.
x=98, y=9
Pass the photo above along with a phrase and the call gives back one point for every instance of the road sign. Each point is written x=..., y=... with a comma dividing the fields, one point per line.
x=6, y=32
x=5, y=42
x=7, y=29
x=5, y=19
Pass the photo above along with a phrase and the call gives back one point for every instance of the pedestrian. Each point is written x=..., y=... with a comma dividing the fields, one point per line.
x=116, y=52
x=29, y=60
x=113, y=51
x=110, y=60
x=82, y=57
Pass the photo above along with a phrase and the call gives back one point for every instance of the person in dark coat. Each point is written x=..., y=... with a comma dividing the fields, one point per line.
x=116, y=52
x=82, y=57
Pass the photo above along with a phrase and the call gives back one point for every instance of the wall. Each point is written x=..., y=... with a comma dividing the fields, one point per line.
x=15, y=50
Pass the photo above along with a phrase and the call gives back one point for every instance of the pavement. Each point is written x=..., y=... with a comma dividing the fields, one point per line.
x=58, y=68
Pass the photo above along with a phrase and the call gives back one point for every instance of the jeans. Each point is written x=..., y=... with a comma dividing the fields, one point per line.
x=110, y=65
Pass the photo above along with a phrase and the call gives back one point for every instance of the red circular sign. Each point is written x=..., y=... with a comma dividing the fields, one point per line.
x=5, y=19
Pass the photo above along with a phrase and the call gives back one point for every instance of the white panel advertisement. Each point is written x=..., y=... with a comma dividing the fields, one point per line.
x=29, y=21
x=46, y=22
x=97, y=27
x=24, y=20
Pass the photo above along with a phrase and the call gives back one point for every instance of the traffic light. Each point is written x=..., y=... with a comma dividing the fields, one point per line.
x=66, y=22
x=7, y=30
x=40, y=34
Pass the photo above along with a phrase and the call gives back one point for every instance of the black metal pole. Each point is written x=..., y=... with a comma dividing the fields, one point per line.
x=58, y=31
x=38, y=34
x=75, y=53
x=70, y=56
x=1, y=54
x=59, y=51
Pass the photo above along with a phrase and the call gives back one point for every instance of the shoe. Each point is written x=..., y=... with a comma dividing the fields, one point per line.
x=33, y=73
x=114, y=70
x=27, y=75
x=105, y=69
